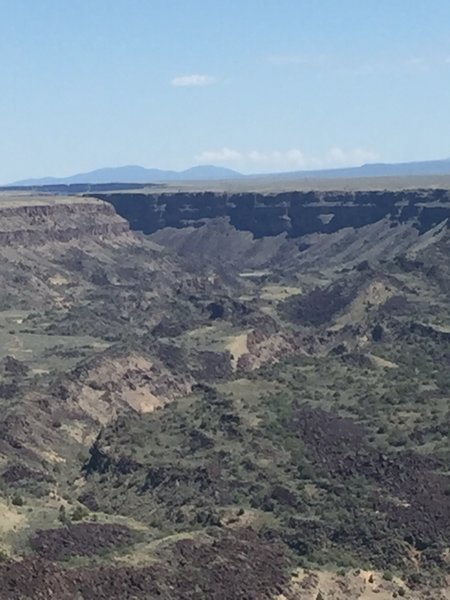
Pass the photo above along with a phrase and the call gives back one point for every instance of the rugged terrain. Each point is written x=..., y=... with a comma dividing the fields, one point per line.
x=251, y=402
x=295, y=213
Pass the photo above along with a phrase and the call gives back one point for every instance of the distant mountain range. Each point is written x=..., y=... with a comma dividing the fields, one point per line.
x=430, y=167
x=137, y=174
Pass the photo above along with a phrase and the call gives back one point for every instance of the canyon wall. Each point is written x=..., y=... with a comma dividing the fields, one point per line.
x=30, y=221
x=296, y=213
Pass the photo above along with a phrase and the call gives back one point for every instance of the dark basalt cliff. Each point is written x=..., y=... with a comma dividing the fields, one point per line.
x=296, y=213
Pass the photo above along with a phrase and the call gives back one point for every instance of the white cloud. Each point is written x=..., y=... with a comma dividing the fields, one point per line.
x=288, y=160
x=194, y=80
x=339, y=157
x=223, y=155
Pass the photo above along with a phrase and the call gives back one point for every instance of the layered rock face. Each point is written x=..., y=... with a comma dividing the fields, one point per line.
x=296, y=213
x=37, y=221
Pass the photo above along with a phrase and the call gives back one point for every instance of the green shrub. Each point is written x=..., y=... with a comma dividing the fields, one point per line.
x=397, y=438
x=17, y=500
x=62, y=515
x=79, y=513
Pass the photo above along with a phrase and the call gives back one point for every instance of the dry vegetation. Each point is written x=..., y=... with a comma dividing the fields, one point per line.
x=201, y=414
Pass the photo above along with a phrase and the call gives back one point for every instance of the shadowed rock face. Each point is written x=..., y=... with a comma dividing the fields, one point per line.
x=296, y=213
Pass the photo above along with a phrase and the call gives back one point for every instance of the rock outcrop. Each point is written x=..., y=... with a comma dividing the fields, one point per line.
x=296, y=213
x=40, y=220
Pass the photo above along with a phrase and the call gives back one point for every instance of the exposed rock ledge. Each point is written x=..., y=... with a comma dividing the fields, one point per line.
x=296, y=213
x=39, y=220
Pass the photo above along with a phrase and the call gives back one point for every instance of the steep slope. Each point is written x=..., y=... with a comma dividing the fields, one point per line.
x=334, y=451
x=295, y=213
x=335, y=454
x=86, y=306
x=205, y=413
x=217, y=243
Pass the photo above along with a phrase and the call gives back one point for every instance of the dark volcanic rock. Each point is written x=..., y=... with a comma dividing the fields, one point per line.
x=238, y=566
x=418, y=505
x=17, y=474
x=82, y=539
x=296, y=213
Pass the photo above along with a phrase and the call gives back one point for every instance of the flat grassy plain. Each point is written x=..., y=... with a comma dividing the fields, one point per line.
x=284, y=184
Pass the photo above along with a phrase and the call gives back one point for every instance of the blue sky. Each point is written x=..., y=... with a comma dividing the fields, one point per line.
x=256, y=85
